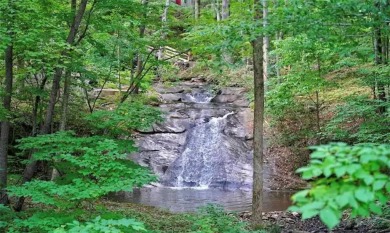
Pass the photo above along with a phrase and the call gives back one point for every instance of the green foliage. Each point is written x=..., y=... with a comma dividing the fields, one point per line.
x=42, y=221
x=6, y=216
x=124, y=119
x=212, y=218
x=3, y=113
x=90, y=168
x=99, y=225
x=345, y=178
x=60, y=221
x=357, y=120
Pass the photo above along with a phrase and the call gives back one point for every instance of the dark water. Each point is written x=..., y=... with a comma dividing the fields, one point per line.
x=189, y=200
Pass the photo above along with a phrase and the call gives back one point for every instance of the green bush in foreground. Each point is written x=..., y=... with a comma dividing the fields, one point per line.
x=212, y=218
x=344, y=177
x=89, y=168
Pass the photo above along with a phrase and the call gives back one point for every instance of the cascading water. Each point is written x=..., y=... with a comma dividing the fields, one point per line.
x=202, y=160
x=209, y=154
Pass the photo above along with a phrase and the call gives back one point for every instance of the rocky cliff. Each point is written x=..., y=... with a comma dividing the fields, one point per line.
x=205, y=140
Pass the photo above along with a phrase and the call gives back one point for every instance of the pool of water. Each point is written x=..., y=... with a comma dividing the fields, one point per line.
x=189, y=199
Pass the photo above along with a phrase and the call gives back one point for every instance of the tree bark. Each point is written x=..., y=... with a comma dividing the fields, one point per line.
x=215, y=5
x=258, y=76
x=225, y=13
x=36, y=107
x=225, y=9
x=266, y=41
x=58, y=71
x=5, y=124
x=164, y=19
x=381, y=56
x=46, y=129
x=65, y=101
x=197, y=9
x=142, y=29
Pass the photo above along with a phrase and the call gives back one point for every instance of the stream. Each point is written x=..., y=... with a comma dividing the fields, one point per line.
x=189, y=200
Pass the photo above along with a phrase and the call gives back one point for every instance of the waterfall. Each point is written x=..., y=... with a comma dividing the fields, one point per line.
x=203, y=155
x=202, y=159
x=205, y=141
x=201, y=96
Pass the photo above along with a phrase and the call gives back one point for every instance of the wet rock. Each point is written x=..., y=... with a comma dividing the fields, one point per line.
x=169, y=98
x=166, y=90
x=225, y=98
x=239, y=91
x=203, y=140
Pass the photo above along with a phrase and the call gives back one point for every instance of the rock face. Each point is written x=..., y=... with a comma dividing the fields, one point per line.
x=205, y=140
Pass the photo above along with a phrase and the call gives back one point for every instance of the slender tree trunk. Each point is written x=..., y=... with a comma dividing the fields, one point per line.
x=225, y=9
x=5, y=124
x=318, y=113
x=58, y=71
x=381, y=56
x=197, y=9
x=65, y=101
x=225, y=13
x=36, y=107
x=46, y=129
x=215, y=4
x=142, y=29
x=258, y=76
x=164, y=19
x=266, y=41
x=6, y=102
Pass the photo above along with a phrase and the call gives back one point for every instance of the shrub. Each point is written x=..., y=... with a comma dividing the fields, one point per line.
x=345, y=178
x=212, y=218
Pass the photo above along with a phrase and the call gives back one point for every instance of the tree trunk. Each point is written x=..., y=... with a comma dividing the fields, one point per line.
x=58, y=71
x=215, y=5
x=65, y=101
x=46, y=129
x=164, y=18
x=5, y=125
x=197, y=9
x=266, y=41
x=225, y=9
x=36, y=107
x=142, y=29
x=258, y=75
x=225, y=13
x=381, y=56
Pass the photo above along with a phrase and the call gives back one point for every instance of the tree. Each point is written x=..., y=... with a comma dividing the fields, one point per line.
x=197, y=9
x=225, y=12
x=46, y=129
x=381, y=49
x=5, y=124
x=258, y=145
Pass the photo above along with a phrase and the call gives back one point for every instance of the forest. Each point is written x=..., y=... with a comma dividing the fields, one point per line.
x=201, y=116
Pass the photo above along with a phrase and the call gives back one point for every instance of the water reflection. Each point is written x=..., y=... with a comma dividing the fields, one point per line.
x=188, y=200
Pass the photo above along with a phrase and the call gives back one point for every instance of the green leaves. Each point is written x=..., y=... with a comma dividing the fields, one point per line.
x=99, y=225
x=91, y=167
x=329, y=217
x=345, y=177
x=126, y=118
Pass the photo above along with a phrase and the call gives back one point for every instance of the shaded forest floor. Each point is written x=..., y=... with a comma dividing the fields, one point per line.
x=158, y=220
x=287, y=222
